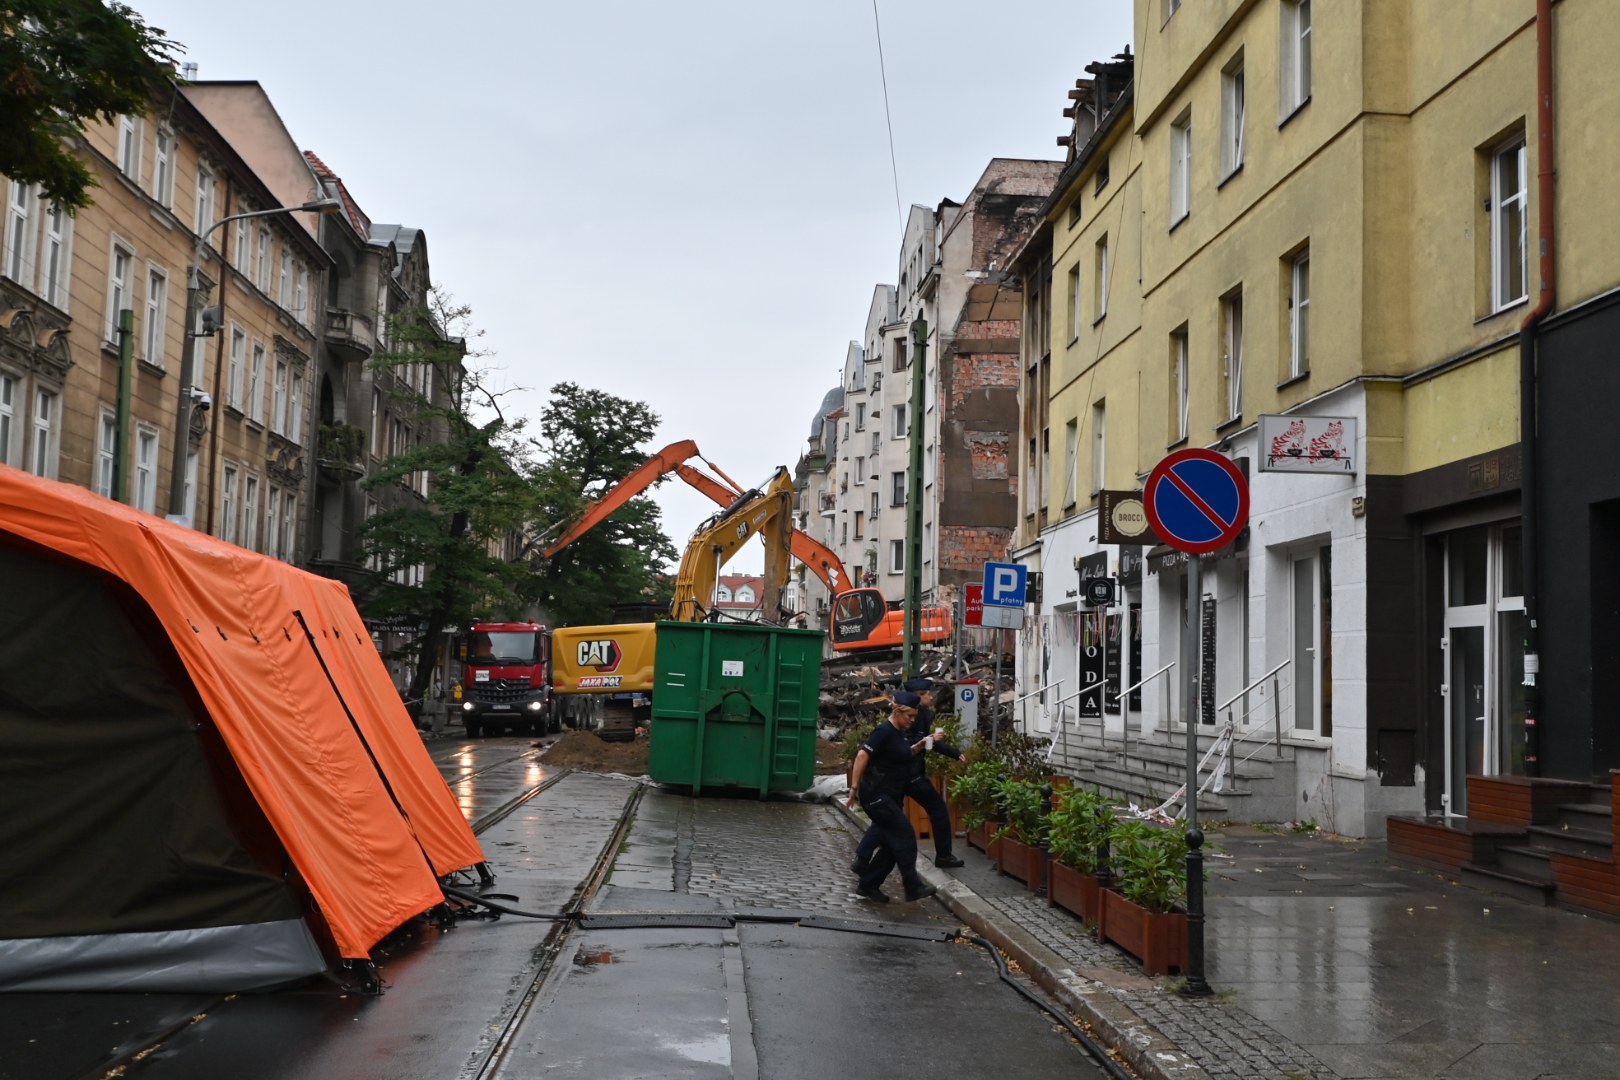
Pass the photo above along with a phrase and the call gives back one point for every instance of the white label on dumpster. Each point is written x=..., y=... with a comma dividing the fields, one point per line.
x=729, y=668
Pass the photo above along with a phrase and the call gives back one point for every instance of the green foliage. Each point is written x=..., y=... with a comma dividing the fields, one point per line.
x=1024, y=755
x=1079, y=825
x=939, y=764
x=589, y=441
x=1021, y=801
x=1149, y=863
x=63, y=62
x=1307, y=826
x=976, y=789
x=857, y=734
x=341, y=442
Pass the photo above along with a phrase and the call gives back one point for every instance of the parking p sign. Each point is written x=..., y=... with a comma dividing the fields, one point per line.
x=1004, y=584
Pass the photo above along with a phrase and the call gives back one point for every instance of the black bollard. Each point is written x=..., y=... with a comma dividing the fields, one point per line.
x=1046, y=851
x=1197, y=985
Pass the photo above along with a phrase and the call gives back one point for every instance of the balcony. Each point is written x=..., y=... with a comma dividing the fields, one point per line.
x=341, y=452
x=829, y=502
x=350, y=334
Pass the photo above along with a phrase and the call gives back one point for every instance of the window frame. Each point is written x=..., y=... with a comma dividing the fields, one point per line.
x=144, y=483
x=129, y=147
x=1521, y=200
x=1100, y=280
x=44, y=426
x=1232, y=353
x=1074, y=303
x=1071, y=464
x=899, y=488
x=10, y=385
x=250, y=511
x=1181, y=376
x=163, y=155
x=228, y=507
x=1234, y=116
x=55, y=266
x=1299, y=314
x=1181, y=168
x=1099, y=446
x=154, y=332
x=1294, y=57
x=236, y=368
x=897, y=556
x=203, y=214
x=106, y=453
x=19, y=233
x=120, y=289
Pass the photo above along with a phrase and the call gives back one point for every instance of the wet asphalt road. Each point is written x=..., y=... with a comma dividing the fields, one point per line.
x=519, y=998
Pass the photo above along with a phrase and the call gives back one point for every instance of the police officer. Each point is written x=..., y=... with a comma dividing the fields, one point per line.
x=918, y=786
x=883, y=768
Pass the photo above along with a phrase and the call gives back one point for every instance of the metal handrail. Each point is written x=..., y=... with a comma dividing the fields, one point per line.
x=1252, y=685
x=1119, y=696
x=1040, y=690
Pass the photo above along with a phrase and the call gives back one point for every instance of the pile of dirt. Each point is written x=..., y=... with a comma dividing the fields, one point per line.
x=584, y=750
x=830, y=757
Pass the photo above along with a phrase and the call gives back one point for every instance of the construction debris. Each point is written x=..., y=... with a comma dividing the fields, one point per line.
x=855, y=690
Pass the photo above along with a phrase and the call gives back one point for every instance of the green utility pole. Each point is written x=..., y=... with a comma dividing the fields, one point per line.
x=912, y=653
x=126, y=388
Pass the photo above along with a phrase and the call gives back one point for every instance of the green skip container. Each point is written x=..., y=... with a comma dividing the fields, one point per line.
x=734, y=706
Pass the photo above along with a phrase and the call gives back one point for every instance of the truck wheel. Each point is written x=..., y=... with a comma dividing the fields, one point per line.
x=473, y=729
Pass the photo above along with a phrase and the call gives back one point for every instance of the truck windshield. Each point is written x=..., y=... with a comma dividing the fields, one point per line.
x=503, y=647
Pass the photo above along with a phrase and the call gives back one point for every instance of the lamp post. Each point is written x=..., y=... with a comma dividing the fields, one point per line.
x=188, y=363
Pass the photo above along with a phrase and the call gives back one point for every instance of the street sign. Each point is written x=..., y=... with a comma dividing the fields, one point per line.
x=967, y=710
x=974, y=615
x=1122, y=519
x=1099, y=591
x=1004, y=618
x=1004, y=585
x=1197, y=500
x=1308, y=444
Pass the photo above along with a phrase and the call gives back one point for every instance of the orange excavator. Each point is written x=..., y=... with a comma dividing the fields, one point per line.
x=862, y=618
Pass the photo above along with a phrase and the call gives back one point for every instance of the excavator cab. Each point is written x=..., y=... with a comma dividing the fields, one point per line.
x=855, y=615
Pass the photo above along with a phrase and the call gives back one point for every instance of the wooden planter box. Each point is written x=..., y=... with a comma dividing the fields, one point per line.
x=1159, y=941
x=1019, y=860
x=980, y=837
x=1073, y=891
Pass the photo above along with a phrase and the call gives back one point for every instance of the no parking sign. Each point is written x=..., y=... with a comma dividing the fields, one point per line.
x=1197, y=501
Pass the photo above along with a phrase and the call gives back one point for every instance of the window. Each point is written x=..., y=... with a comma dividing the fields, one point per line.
x=8, y=397
x=261, y=262
x=255, y=387
x=19, y=236
x=1071, y=463
x=1046, y=465
x=860, y=416
x=119, y=294
x=237, y=371
x=1232, y=117
x=376, y=423
x=860, y=470
x=1295, y=55
x=54, y=267
x=860, y=525
x=1299, y=316
x=1181, y=168
x=901, y=428
x=272, y=518
x=227, y=506
x=295, y=409
x=129, y=147
x=1030, y=488
x=899, y=354
x=1099, y=279
x=877, y=441
x=897, y=556
x=875, y=508
x=278, y=410
x=1232, y=366
x=163, y=167
x=203, y=218
x=44, y=458
x=157, y=312
x=1099, y=446
x=285, y=290
x=1508, y=223
x=897, y=489
x=1170, y=8
x=1074, y=303
x=843, y=534
x=1180, y=398
x=301, y=296
x=250, y=513
x=146, y=465
x=106, y=454
x=1101, y=180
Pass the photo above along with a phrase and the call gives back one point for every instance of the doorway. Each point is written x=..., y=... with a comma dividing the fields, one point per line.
x=1483, y=674
x=1312, y=667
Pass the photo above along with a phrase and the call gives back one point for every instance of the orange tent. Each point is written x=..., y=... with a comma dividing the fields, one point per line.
x=286, y=671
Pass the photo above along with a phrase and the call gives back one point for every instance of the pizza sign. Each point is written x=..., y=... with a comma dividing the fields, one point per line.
x=1308, y=444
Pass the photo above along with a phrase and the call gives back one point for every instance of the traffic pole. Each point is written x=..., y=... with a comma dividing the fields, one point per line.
x=1197, y=985
x=911, y=652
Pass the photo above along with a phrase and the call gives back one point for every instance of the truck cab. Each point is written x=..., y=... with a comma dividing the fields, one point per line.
x=506, y=678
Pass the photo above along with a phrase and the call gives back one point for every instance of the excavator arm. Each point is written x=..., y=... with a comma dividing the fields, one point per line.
x=672, y=458
x=768, y=513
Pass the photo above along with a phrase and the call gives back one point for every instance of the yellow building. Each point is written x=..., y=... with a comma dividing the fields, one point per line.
x=1325, y=213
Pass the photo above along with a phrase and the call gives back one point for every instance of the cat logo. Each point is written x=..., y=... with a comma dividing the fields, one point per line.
x=742, y=530
x=603, y=654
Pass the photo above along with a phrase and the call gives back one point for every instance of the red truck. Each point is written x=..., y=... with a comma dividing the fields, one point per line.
x=506, y=678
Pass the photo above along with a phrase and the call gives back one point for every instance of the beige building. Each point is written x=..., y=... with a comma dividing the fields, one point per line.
x=164, y=179
x=1325, y=213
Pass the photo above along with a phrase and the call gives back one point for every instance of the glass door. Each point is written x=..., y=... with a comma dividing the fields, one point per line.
x=1484, y=668
x=1312, y=669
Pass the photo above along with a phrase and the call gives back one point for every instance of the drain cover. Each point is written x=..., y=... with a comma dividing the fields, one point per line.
x=863, y=926
x=635, y=920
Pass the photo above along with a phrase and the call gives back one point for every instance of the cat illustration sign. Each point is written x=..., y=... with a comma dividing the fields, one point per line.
x=1197, y=501
x=1308, y=444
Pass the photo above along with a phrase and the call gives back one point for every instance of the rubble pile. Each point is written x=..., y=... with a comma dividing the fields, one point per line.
x=857, y=689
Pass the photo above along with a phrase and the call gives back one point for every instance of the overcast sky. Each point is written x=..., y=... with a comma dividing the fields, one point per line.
x=683, y=203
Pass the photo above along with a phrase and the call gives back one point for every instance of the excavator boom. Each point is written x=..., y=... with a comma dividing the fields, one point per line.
x=645, y=476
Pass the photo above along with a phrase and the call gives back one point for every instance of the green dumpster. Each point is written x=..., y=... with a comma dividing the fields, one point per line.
x=734, y=705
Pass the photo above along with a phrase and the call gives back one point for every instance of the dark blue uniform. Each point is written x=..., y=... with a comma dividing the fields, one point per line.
x=918, y=787
x=889, y=769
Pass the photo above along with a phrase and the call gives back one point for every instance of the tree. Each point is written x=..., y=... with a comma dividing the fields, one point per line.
x=63, y=62
x=441, y=561
x=589, y=440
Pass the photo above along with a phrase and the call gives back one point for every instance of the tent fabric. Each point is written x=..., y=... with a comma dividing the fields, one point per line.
x=232, y=617
x=220, y=959
x=110, y=819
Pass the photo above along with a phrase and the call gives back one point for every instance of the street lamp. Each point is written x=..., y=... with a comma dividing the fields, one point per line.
x=188, y=364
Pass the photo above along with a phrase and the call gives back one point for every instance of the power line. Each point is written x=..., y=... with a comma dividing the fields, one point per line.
x=894, y=169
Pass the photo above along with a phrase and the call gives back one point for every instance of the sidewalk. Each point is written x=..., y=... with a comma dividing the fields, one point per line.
x=1328, y=962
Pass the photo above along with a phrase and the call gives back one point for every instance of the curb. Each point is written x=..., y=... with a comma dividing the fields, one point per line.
x=1143, y=1046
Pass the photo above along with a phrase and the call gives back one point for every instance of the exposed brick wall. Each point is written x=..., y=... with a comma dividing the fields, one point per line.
x=979, y=371
x=965, y=548
x=990, y=451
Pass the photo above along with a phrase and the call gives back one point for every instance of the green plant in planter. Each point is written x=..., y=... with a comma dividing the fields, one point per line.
x=1021, y=801
x=939, y=764
x=855, y=736
x=1149, y=864
x=976, y=789
x=1024, y=755
x=1079, y=825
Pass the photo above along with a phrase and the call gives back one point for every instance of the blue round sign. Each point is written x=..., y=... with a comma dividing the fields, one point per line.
x=1197, y=501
